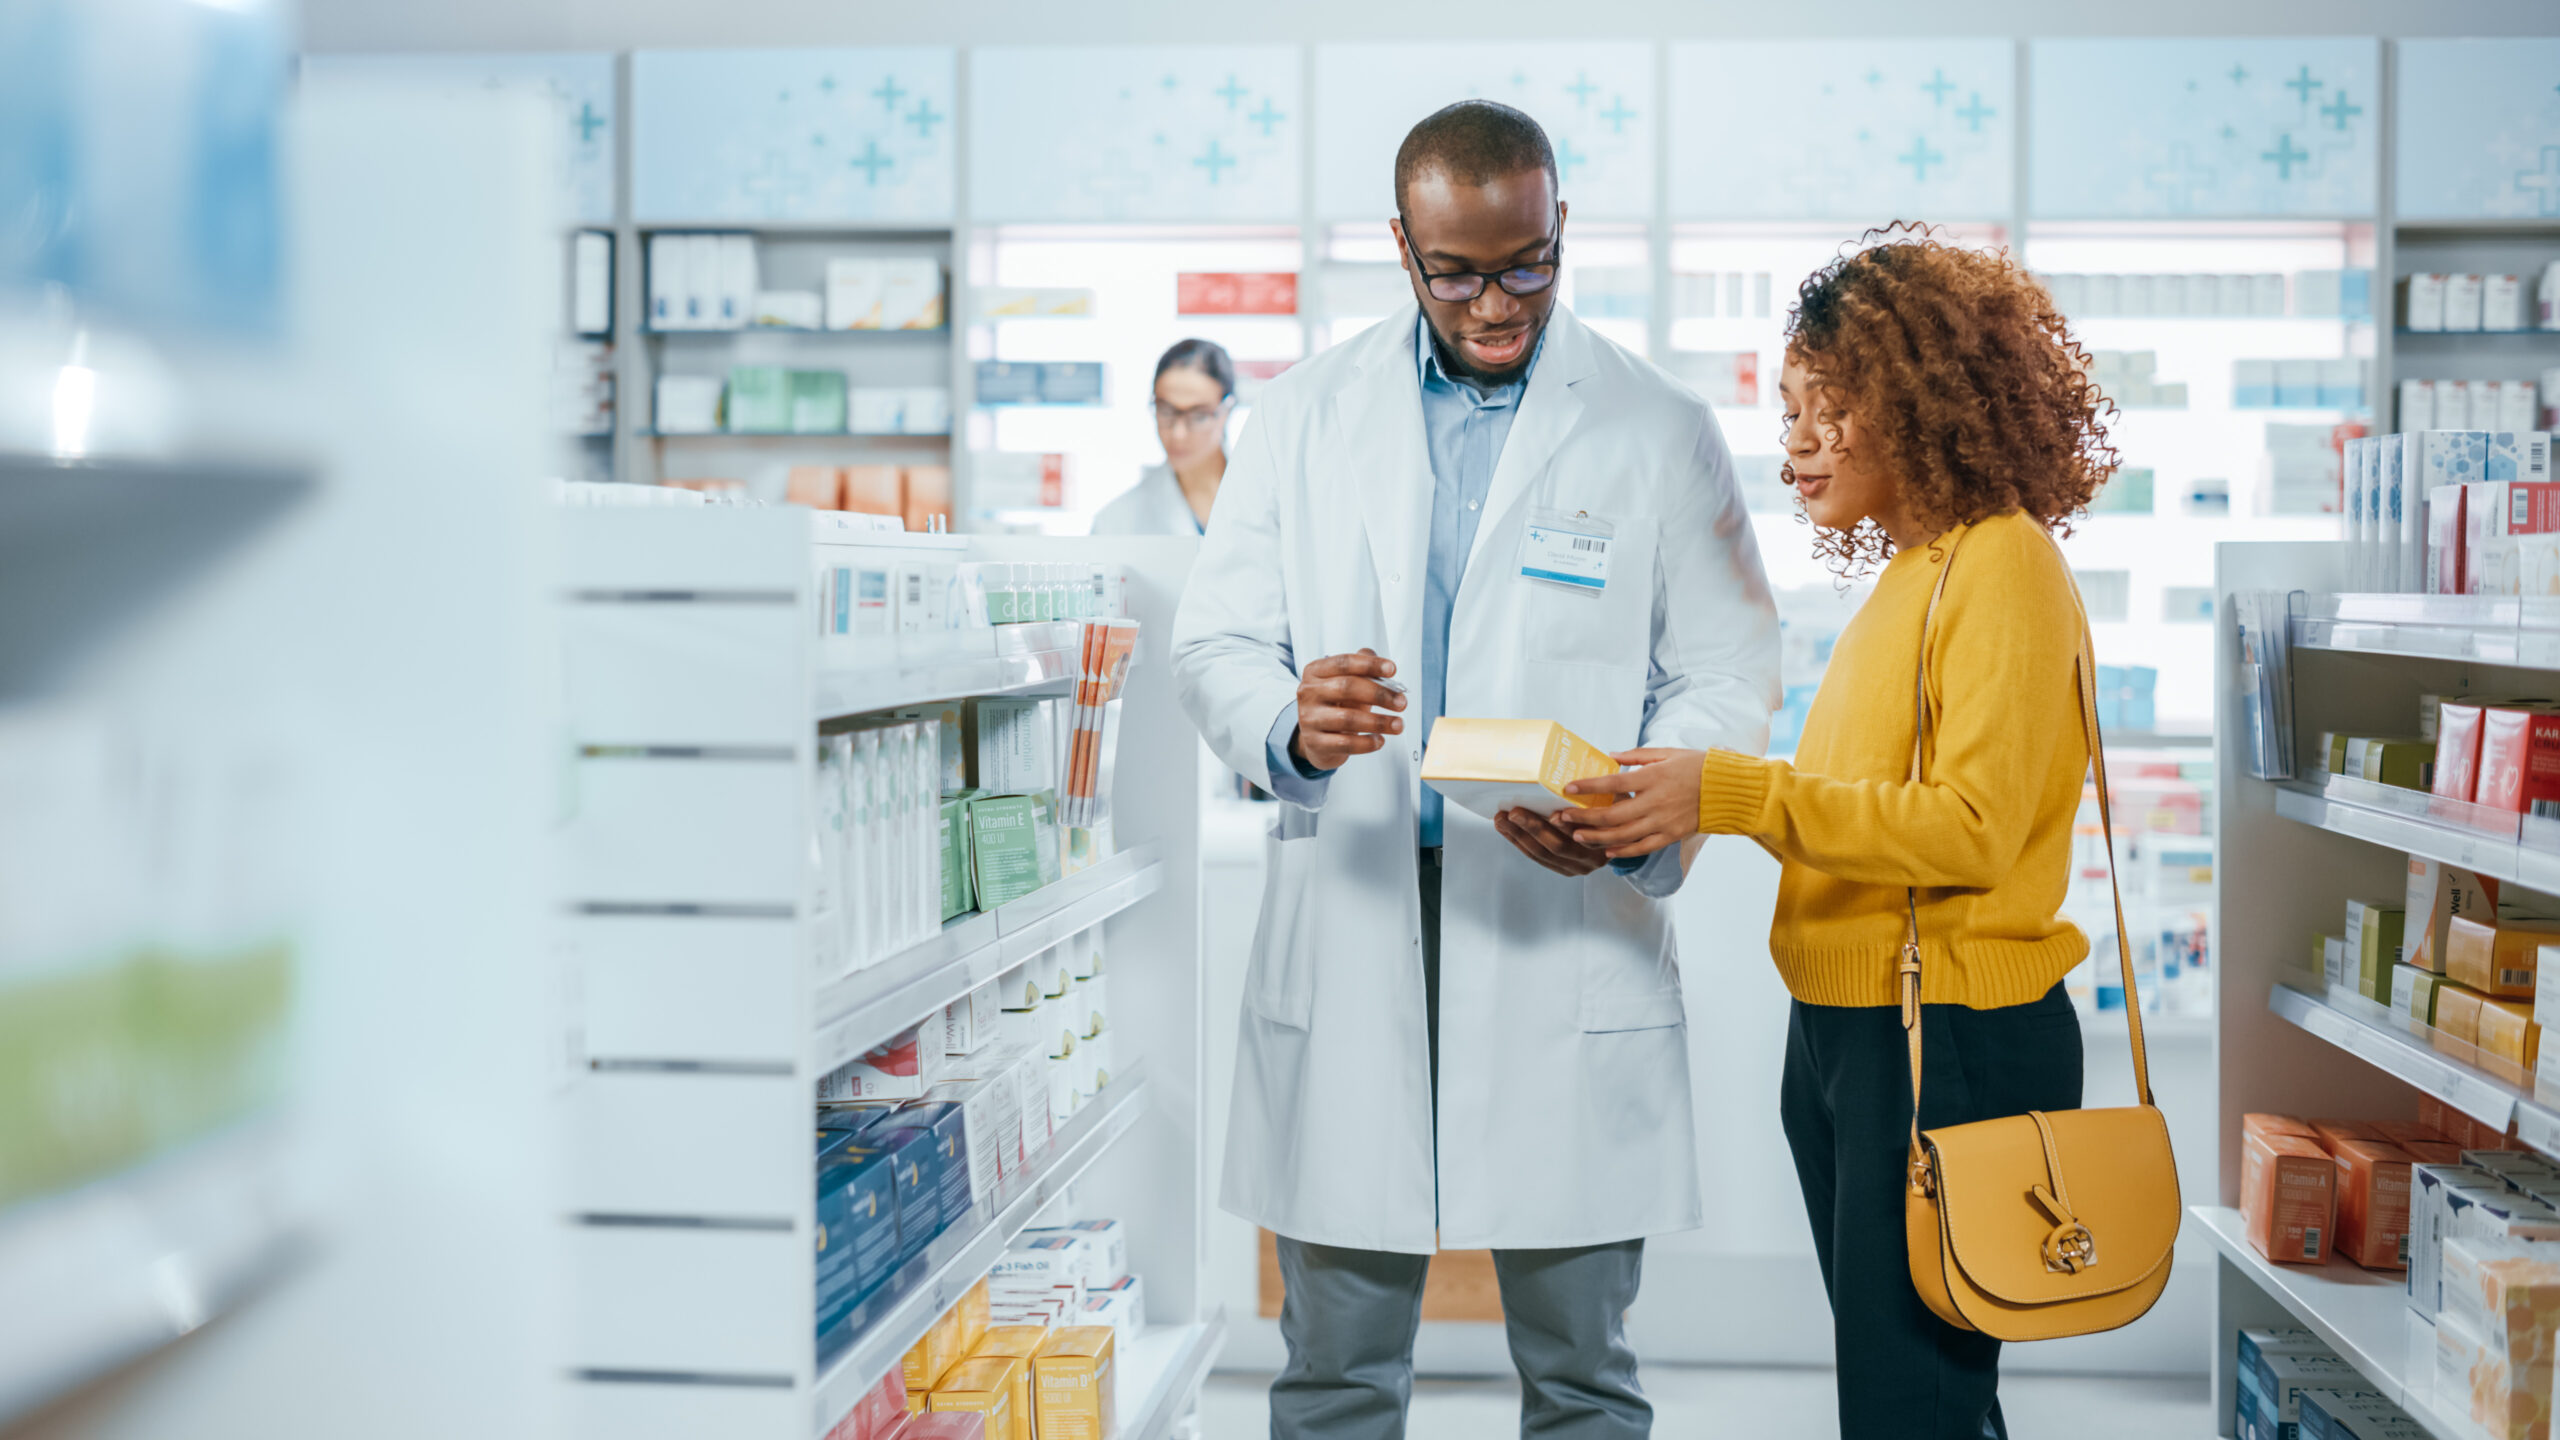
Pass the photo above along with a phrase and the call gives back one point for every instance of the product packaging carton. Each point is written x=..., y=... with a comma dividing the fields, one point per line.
x=857, y=1228
x=2373, y=1203
x=2373, y=942
x=2401, y=1132
x=2330, y=1134
x=2337, y=966
x=2438, y=1194
x=983, y=1386
x=1073, y=1379
x=1490, y=766
x=2520, y=759
x=1054, y=1257
x=933, y=1355
x=2462, y=302
x=2253, y=1349
x=970, y=1021
x=2448, y=529
x=944, y=1425
x=2506, y=1402
x=1011, y=744
x=911, y=293
x=945, y=1127
x=2422, y=301
x=1013, y=842
x=2265, y=1123
x=2508, y=1293
x=2433, y=1152
x=2283, y=1380
x=2438, y=892
x=902, y=1069
x=2348, y=1414
x=2413, y=993
x=959, y=884
x=1103, y=1254
x=2546, y=985
x=2496, y=956
x=915, y=1171
x=2401, y=764
x=2506, y=1032
x=1019, y=1343
x=991, y=1124
x=2457, y=1019
x=2288, y=1193
x=820, y=487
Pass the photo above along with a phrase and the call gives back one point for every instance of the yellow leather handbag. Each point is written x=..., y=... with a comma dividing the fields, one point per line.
x=2037, y=1226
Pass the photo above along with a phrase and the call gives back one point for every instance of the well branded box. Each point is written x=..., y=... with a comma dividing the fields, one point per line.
x=1055, y=1257
x=1490, y=766
x=2373, y=1203
x=1072, y=1377
x=2496, y=956
x=2288, y=1190
x=2258, y=1122
x=2439, y=892
x=985, y=1385
x=2399, y=763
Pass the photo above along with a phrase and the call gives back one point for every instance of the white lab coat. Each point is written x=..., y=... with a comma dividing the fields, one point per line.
x=1153, y=506
x=1564, y=1108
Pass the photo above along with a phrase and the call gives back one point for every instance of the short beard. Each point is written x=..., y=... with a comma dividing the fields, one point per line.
x=1453, y=359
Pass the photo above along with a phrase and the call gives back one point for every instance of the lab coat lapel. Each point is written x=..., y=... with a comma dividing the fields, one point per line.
x=1381, y=409
x=1548, y=412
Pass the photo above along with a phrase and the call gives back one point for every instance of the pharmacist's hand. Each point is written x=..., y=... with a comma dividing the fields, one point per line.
x=1537, y=837
x=1339, y=705
x=1657, y=803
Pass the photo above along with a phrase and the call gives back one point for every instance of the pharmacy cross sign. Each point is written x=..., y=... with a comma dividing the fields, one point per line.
x=588, y=121
x=2285, y=156
x=1566, y=158
x=2180, y=179
x=2339, y=111
x=1214, y=161
x=870, y=162
x=889, y=93
x=1231, y=92
x=1617, y=114
x=2239, y=76
x=2543, y=184
x=2303, y=84
x=1920, y=157
x=1938, y=86
x=1266, y=117
x=1582, y=89
x=1973, y=112
x=924, y=117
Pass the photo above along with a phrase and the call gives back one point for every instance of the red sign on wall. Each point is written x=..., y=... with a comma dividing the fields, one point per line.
x=1269, y=293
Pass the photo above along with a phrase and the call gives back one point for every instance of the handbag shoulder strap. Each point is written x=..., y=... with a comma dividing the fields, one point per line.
x=2084, y=676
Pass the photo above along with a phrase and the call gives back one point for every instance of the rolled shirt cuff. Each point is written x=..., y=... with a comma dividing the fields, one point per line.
x=1291, y=779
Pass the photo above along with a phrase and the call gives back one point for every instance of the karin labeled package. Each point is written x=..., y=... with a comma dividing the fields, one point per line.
x=2520, y=760
x=2438, y=892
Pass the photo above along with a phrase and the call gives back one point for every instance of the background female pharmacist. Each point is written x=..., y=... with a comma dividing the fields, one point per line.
x=1195, y=390
x=1935, y=407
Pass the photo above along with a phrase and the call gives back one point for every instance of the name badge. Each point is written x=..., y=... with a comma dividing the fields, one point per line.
x=1571, y=550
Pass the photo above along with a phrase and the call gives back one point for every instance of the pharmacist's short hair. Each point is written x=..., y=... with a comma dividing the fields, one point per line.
x=1472, y=142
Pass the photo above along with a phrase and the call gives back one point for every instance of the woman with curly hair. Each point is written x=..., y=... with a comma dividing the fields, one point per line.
x=1940, y=424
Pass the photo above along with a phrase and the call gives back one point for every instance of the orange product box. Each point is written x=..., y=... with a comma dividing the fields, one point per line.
x=945, y=1343
x=2433, y=1152
x=2457, y=750
x=2519, y=759
x=2288, y=1197
x=1072, y=1378
x=2330, y=1134
x=874, y=490
x=2260, y=1122
x=2401, y=1132
x=2506, y=1030
x=2457, y=1019
x=1018, y=1342
x=928, y=496
x=2496, y=957
x=820, y=487
x=985, y=1386
x=2373, y=1203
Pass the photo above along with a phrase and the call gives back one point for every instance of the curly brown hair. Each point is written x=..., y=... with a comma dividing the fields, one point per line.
x=1963, y=376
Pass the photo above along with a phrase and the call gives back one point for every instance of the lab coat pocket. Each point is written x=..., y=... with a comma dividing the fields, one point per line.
x=1281, y=985
x=1612, y=625
x=1625, y=990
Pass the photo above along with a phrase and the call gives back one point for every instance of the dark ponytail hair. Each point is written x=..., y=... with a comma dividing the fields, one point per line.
x=1206, y=356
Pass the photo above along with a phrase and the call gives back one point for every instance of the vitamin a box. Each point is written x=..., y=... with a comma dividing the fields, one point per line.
x=2264, y=1123
x=2288, y=1190
x=2373, y=1203
x=1072, y=1378
x=1490, y=766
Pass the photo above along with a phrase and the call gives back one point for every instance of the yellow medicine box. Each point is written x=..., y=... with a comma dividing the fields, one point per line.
x=2457, y=1018
x=2495, y=959
x=2506, y=1030
x=1490, y=766
x=1072, y=1378
x=989, y=1386
x=1017, y=1342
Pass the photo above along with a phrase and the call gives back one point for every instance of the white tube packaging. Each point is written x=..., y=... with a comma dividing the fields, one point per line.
x=2400, y=456
x=2359, y=511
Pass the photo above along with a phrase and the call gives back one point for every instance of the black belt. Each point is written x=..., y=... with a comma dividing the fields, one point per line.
x=1430, y=855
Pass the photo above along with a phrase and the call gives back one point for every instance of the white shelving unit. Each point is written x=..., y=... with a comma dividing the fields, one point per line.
x=695, y=681
x=2292, y=853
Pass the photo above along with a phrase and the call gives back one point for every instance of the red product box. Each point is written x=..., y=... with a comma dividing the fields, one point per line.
x=2457, y=751
x=1259, y=293
x=2519, y=760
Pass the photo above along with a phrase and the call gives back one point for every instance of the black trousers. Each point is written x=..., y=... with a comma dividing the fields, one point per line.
x=1845, y=1101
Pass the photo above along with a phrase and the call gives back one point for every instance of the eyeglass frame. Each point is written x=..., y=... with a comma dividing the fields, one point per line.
x=1553, y=264
x=1196, y=417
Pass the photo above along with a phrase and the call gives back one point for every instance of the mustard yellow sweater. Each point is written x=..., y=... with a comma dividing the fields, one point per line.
x=1985, y=837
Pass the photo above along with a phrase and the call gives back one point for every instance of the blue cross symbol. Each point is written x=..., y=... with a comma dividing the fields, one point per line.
x=2180, y=179
x=2303, y=84
x=1231, y=92
x=1214, y=161
x=870, y=162
x=1171, y=81
x=2239, y=76
x=1938, y=85
x=1875, y=77
x=924, y=117
x=1920, y=158
x=588, y=121
x=1973, y=112
x=2286, y=155
x=1581, y=89
x=889, y=94
x=2338, y=110
x=827, y=83
x=1567, y=158
x=2544, y=183
x=1266, y=117
x=1617, y=114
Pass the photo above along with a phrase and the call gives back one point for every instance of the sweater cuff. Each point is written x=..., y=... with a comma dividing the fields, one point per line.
x=1732, y=791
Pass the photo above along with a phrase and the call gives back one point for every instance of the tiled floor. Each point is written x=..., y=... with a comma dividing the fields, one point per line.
x=1716, y=1403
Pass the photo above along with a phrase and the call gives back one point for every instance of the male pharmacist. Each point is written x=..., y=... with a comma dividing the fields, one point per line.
x=1460, y=1032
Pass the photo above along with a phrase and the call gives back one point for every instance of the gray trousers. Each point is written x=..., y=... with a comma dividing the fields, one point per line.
x=1350, y=1317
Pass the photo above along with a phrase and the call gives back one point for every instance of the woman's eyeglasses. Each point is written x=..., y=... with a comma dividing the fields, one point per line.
x=1192, y=419
x=1457, y=286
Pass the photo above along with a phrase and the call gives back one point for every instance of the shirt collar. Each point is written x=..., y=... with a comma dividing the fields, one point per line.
x=1431, y=372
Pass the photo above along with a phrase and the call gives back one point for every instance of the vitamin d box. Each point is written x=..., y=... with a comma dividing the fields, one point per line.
x=1490, y=766
x=1072, y=1377
x=984, y=1386
x=2288, y=1196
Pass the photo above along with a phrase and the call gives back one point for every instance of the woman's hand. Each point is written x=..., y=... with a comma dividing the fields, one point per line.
x=1660, y=808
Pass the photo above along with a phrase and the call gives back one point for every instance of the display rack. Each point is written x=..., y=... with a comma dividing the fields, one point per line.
x=696, y=680
x=2484, y=246
x=2293, y=852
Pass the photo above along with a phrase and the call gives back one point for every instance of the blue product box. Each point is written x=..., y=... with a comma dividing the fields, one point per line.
x=855, y=1118
x=1071, y=382
x=2355, y=294
x=1008, y=382
x=2517, y=455
x=951, y=1151
x=916, y=1166
x=857, y=1226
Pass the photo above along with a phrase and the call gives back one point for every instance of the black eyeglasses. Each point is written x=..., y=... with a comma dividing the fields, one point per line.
x=1462, y=285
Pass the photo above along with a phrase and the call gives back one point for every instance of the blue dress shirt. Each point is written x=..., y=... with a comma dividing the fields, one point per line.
x=1464, y=428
